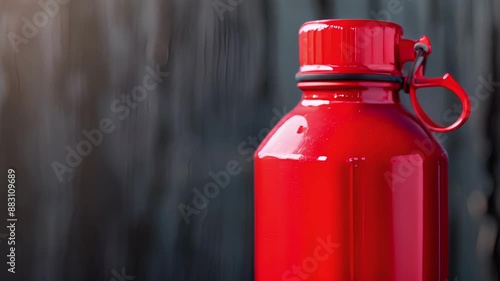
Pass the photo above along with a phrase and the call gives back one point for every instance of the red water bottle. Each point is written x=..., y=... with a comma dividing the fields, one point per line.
x=349, y=185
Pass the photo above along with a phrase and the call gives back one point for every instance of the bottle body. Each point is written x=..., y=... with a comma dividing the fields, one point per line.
x=350, y=186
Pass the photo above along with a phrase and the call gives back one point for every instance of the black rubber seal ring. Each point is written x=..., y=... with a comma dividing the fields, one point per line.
x=348, y=77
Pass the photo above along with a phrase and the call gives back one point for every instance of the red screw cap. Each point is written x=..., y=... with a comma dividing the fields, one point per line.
x=351, y=47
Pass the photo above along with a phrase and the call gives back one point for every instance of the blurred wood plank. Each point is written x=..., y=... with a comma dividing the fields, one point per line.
x=231, y=67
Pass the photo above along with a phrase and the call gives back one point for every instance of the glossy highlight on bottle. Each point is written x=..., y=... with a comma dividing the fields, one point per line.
x=349, y=185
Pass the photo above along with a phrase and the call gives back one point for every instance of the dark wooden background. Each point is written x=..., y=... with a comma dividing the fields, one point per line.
x=231, y=66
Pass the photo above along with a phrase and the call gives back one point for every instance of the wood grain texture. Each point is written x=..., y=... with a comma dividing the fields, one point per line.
x=231, y=67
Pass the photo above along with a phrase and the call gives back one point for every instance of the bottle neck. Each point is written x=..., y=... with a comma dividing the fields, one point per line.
x=316, y=93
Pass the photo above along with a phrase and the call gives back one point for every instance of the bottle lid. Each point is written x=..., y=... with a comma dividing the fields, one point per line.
x=352, y=47
x=371, y=50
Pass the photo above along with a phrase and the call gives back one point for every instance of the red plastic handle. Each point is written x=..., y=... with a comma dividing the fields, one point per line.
x=449, y=83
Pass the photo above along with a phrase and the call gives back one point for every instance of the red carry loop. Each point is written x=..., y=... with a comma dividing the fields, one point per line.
x=416, y=80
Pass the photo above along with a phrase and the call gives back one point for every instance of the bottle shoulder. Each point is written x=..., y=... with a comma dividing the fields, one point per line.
x=346, y=130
